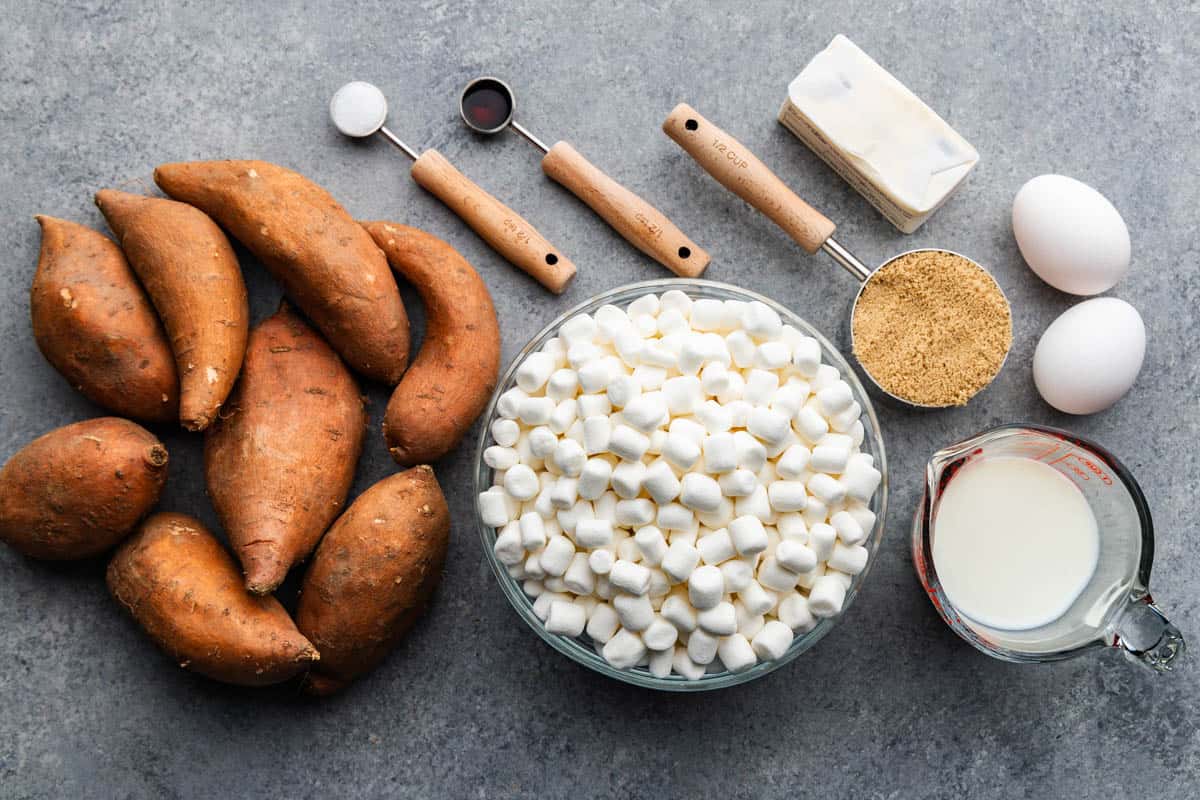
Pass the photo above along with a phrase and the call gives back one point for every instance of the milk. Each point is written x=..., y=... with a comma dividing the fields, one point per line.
x=1014, y=542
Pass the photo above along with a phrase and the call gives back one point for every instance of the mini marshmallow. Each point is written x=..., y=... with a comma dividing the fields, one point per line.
x=532, y=587
x=706, y=587
x=742, y=349
x=837, y=440
x=593, y=405
x=635, y=513
x=494, y=507
x=794, y=556
x=776, y=449
x=610, y=320
x=652, y=544
x=733, y=394
x=794, y=462
x=601, y=561
x=603, y=623
x=720, y=453
x=594, y=478
x=657, y=355
x=716, y=547
x=622, y=390
x=748, y=535
x=579, y=577
x=863, y=515
x=556, y=349
x=629, y=577
x=564, y=415
x=565, y=493
x=835, y=398
x=806, y=356
x=679, y=612
x=826, y=376
x=760, y=387
x=688, y=428
x=657, y=440
x=793, y=611
x=693, y=353
x=702, y=647
x=815, y=512
x=772, y=641
x=675, y=300
x=627, y=478
x=683, y=665
x=714, y=418
x=646, y=412
x=533, y=567
x=773, y=355
x=826, y=597
x=748, y=624
x=736, y=653
x=569, y=518
x=719, y=518
x=843, y=421
x=756, y=599
x=756, y=504
x=574, y=433
x=850, y=559
x=660, y=635
x=714, y=378
x=773, y=576
x=541, y=606
x=593, y=533
x=841, y=576
x=770, y=426
x=534, y=371
x=498, y=457
x=648, y=304
x=510, y=402
x=821, y=538
x=720, y=620
x=508, y=548
x=521, y=483
x=857, y=434
x=792, y=526
x=535, y=410
x=579, y=328
x=505, y=433
x=675, y=517
x=810, y=424
x=533, y=531
x=679, y=561
x=826, y=488
x=699, y=492
x=557, y=555
x=624, y=650
x=606, y=506
x=707, y=315
x=628, y=444
x=649, y=378
x=738, y=574
x=860, y=478
x=596, y=375
x=634, y=611
x=751, y=454
x=683, y=394
x=848, y=529
x=670, y=321
x=787, y=495
x=687, y=537
x=760, y=320
x=828, y=459
x=681, y=450
x=660, y=482
x=739, y=483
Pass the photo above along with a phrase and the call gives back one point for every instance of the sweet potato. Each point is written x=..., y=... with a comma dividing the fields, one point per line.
x=328, y=266
x=281, y=459
x=94, y=324
x=78, y=490
x=192, y=276
x=456, y=370
x=372, y=576
x=182, y=587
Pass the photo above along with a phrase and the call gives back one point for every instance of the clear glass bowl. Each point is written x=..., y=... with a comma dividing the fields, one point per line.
x=581, y=649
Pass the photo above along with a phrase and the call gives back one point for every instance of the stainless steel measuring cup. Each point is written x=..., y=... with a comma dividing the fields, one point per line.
x=740, y=171
x=1115, y=608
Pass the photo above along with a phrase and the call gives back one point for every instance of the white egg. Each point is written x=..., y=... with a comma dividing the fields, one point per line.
x=1070, y=235
x=1090, y=356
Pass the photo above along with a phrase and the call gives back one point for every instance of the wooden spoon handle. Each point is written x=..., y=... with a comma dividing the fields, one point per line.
x=642, y=225
x=737, y=169
x=501, y=227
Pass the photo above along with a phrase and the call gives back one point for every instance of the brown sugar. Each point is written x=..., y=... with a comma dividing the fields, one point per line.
x=932, y=328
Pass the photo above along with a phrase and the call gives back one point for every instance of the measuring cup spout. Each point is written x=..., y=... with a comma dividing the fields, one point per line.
x=1146, y=636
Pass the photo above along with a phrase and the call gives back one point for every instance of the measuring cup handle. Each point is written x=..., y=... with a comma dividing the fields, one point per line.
x=501, y=227
x=737, y=169
x=642, y=225
x=1147, y=637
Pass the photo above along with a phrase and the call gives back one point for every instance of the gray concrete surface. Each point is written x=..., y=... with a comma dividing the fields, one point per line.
x=891, y=704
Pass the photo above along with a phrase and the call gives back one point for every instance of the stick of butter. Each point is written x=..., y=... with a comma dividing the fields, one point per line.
x=892, y=148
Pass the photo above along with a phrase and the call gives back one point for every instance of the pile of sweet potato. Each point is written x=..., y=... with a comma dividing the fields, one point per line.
x=155, y=328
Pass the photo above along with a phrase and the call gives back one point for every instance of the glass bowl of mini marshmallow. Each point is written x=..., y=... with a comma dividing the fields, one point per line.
x=680, y=484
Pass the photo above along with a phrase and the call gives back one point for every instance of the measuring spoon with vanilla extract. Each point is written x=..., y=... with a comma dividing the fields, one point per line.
x=360, y=109
x=487, y=106
x=739, y=171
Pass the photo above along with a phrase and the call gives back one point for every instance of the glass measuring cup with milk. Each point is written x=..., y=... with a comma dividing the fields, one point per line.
x=1036, y=545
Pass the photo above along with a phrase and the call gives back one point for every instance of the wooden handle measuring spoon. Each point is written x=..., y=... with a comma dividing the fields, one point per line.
x=359, y=109
x=487, y=106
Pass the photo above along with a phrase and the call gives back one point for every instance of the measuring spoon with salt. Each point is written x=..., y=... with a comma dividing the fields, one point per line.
x=360, y=109
x=739, y=171
x=487, y=106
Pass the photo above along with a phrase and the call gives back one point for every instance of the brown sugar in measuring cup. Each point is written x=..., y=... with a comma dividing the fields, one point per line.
x=931, y=327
